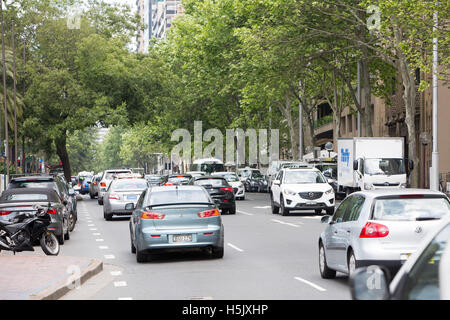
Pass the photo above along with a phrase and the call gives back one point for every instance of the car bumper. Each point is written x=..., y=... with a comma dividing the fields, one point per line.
x=298, y=203
x=154, y=240
x=118, y=207
x=392, y=265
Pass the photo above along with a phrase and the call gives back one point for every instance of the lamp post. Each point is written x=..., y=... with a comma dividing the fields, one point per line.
x=434, y=185
x=4, y=95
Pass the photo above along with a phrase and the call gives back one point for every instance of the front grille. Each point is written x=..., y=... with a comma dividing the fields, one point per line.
x=311, y=195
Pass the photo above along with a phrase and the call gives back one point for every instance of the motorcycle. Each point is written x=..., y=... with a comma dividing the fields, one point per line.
x=21, y=232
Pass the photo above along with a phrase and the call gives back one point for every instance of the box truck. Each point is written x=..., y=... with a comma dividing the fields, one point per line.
x=368, y=163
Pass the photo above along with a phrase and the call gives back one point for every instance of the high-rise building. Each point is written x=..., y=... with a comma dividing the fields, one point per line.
x=144, y=9
x=163, y=12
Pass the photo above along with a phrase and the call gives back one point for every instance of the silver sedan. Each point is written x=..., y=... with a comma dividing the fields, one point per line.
x=378, y=228
x=121, y=192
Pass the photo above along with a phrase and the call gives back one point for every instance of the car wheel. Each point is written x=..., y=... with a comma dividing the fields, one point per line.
x=351, y=263
x=330, y=211
x=67, y=234
x=284, y=211
x=100, y=201
x=217, y=253
x=232, y=210
x=92, y=196
x=133, y=248
x=325, y=272
x=71, y=222
x=275, y=209
x=141, y=256
x=107, y=216
x=60, y=239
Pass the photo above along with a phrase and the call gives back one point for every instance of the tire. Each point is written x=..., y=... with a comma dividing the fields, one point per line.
x=107, y=216
x=232, y=210
x=61, y=239
x=133, y=248
x=275, y=209
x=284, y=211
x=49, y=244
x=330, y=211
x=141, y=257
x=72, y=222
x=67, y=234
x=325, y=272
x=100, y=201
x=92, y=196
x=351, y=263
x=217, y=253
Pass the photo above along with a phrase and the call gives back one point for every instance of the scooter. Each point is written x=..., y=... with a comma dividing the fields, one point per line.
x=21, y=232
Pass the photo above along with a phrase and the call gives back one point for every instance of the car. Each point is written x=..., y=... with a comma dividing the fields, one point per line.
x=58, y=183
x=256, y=182
x=94, y=185
x=84, y=182
x=276, y=165
x=119, y=193
x=176, y=179
x=425, y=276
x=220, y=191
x=24, y=200
x=196, y=173
x=107, y=178
x=378, y=227
x=175, y=218
x=154, y=179
x=301, y=189
x=233, y=180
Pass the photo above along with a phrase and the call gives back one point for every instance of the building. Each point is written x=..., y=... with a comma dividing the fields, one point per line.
x=389, y=121
x=144, y=9
x=163, y=12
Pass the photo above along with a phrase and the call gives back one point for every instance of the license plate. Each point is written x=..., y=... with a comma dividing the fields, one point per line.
x=182, y=238
x=312, y=203
x=131, y=197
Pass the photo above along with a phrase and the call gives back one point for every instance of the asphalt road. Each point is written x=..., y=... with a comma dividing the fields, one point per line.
x=267, y=256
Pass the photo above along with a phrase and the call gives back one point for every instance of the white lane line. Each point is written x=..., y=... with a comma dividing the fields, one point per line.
x=109, y=256
x=246, y=213
x=286, y=223
x=91, y=225
x=263, y=207
x=99, y=240
x=120, y=284
x=234, y=247
x=93, y=229
x=96, y=234
x=116, y=273
x=103, y=247
x=125, y=298
x=315, y=286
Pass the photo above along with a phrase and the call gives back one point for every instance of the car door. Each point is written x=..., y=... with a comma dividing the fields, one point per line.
x=276, y=189
x=335, y=244
x=136, y=214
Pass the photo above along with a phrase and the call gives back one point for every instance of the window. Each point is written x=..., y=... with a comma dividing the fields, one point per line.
x=179, y=196
x=423, y=279
x=27, y=197
x=340, y=212
x=299, y=177
x=343, y=128
x=354, y=209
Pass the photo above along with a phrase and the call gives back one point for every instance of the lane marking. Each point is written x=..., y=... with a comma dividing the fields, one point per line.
x=315, y=286
x=96, y=234
x=93, y=229
x=120, y=284
x=246, y=213
x=263, y=207
x=125, y=298
x=109, y=256
x=234, y=247
x=99, y=240
x=91, y=225
x=286, y=223
x=103, y=247
x=116, y=273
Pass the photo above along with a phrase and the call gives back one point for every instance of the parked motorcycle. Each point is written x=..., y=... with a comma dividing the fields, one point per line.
x=21, y=232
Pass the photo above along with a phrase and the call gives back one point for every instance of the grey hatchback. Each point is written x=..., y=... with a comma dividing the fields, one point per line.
x=175, y=218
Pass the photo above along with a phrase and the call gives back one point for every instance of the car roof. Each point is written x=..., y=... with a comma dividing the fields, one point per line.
x=222, y=172
x=29, y=178
x=302, y=169
x=171, y=188
x=400, y=191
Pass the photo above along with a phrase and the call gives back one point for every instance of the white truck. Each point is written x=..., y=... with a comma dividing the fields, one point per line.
x=367, y=163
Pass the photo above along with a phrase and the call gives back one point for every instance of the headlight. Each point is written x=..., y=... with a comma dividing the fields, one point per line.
x=368, y=186
x=403, y=185
x=241, y=185
x=289, y=192
x=329, y=191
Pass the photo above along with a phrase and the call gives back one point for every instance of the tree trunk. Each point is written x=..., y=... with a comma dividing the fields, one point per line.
x=287, y=112
x=61, y=151
x=367, y=95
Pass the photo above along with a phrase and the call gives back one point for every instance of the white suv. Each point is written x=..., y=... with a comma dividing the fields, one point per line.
x=301, y=189
x=107, y=177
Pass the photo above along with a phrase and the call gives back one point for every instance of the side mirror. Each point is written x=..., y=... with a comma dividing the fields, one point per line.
x=276, y=182
x=355, y=165
x=129, y=206
x=370, y=283
x=325, y=219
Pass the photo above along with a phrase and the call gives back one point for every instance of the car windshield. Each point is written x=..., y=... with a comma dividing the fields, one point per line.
x=384, y=166
x=410, y=209
x=212, y=182
x=110, y=175
x=129, y=185
x=231, y=177
x=178, y=196
x=301, y=177
x=257, y=175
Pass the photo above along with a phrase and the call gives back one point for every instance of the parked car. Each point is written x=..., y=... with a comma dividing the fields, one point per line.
x=154, y=179
x=425, y=276
x=220, y=191
x=24, y=200
x=301, y=189
x=256, y=182
x=175, y=218
x=84, y=183
x=58, y=183
x=107, y=178
x=233, y=180
x=119, y=193
x=379, y=227
x=196, y=173
x=176, y=179
x=94, y=186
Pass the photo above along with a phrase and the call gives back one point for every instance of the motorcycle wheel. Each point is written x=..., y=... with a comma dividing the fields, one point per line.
x=49, y=244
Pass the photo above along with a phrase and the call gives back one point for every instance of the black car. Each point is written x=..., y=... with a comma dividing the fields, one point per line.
x=65, y=193
x=220, y=191
x=256, y=182
x=176, y=179
x=18, y=201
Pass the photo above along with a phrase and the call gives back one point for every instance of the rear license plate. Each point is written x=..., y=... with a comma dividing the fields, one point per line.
x=132, y=197
x=182, y=238
x=311, y=203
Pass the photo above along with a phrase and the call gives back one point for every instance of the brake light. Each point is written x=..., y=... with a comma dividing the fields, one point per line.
x=230, y=189
x=4, y=212
x=114, y=197
x=102, y=184
x=168, y=184
x=374, y=230
x=209, y=213
x=152, y=215
x=412, y=196
x=95, y=183
x=52, y=211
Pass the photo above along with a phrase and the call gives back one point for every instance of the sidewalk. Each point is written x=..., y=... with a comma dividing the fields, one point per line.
x=32, y=277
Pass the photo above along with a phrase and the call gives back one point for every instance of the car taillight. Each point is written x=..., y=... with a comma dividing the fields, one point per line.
x=114, y=196
x=95, y=183
x=230, y=189
x=102, y=184
x=209, y=213
x=52, y=211
x=4, y=212
x=374, y=230
x=152, y=215
x=168, y=184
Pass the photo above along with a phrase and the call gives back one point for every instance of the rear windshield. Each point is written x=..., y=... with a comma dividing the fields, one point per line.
x=31, y=184
x=129, y=185
x=178, y=179
x=109, y=175
x=410, y=209
x=178, y=196
x=212, y=182
x=27, y=197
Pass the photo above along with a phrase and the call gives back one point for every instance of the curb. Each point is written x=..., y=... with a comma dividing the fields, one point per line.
x=61, y=288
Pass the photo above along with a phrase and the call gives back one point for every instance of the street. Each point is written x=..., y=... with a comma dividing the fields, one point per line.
x=267, y=256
